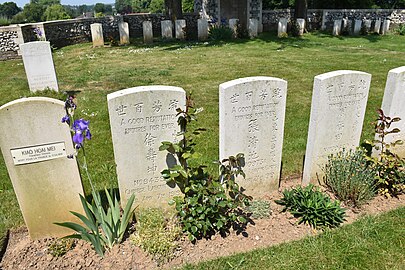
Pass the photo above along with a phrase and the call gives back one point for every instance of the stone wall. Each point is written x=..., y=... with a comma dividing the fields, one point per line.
x=10, y=38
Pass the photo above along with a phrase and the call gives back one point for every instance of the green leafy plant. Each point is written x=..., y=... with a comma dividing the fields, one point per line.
x=259, y=209
x=60, y=247
x=401, y=29
x=220, y=32
x=390, y=168
x=312, y=207
x=349, y=176
x=208, y=205
x=102, y=227
x=156, y=234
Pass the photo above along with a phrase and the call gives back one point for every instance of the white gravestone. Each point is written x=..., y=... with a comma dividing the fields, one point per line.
x=97, y=34
x=38, y=65
x=377, y=26
x=123, y=29
x=167, y=29
x=282, y=27
x=202, y=25
x=357, y=27
x=337, y=27
x=147, y=31
x=253, y=27
x=251, y=120
x=385, y=27
x=141, y=118
x=339, y=102
x=301, y=26
x=180, y=27
x=393, y=105
x=367, y=25
x=233, y=25
x=35, y=144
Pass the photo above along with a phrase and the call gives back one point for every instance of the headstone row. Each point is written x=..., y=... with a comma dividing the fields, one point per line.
x=355, y=27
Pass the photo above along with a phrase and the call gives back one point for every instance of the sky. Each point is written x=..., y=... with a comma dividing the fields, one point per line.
x=21, y=3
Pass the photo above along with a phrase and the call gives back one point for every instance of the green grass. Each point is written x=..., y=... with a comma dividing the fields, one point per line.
x=371, y=243
x=200, y=68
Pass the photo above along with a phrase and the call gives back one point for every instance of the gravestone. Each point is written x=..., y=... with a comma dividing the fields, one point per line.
x=35, y=144
x=337, y=27
x=253, y=27
x=357, y=27
x=301, y=26
x=377, y=26
x=202, y=25
x=339, y=102
x=345, y=22
x=124, y=33
x=233, y=25
x=385, y=27
x=141, y=118
x=367, y=25
x=97, y=34
x=251, y=120
x=282, y=27
x=393, y=105
x=38, y=65
x=167, y=29
x=147, y=31
x=180, y=27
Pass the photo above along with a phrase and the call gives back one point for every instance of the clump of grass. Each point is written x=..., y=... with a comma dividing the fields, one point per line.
x=60, y=247
x=259, y=209
x=156, y=234
x=349, y=177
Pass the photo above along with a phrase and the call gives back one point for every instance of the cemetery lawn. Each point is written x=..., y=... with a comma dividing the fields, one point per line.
x=200, y=68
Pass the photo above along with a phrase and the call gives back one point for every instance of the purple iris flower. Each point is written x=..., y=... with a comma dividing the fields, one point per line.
x=38, y=32
x=66, y=119
x=81, y=130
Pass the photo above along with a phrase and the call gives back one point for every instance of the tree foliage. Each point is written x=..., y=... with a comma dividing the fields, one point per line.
x=55, y=12
x=9, y=9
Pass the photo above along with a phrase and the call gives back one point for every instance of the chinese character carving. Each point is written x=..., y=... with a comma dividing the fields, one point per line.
x=151, y=154
x=234, y=98
x=252, y=143
x=263, y=94
x=173, y=104
x=253, y=126
x=157, y=106
x=138, y=107
x=121, y=110
x=149, y=139
x=249, y=95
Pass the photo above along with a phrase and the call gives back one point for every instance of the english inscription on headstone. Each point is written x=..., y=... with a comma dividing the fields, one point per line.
x=35, y=144
x=141, y=118
x=339, y=102
x=251, y=120
x=38, y=65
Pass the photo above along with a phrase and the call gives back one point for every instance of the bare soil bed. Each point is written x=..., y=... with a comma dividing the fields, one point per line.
x=23, y=253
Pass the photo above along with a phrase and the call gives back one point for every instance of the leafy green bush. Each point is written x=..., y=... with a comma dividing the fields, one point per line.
x=312, y=207
x=349, y=177
x=4, y=21
x=220, y=32
x=208, y=205
x=156, y=234
x=401, y=29
x=259, y=209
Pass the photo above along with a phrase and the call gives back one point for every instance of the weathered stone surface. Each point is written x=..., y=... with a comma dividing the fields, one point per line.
x=180, y=28
x=167, y=29
x=357, y=27
x=147, y=32
x=141, y=118
x=97, y=34
x=337, y=28
x=393, y=105
x=202, y=29
x=377, y=26
x=38, y=65
x=35, y=144
x=253, y=28
x=385, y=27
x=282, y=27
x=124, y=33
x=339, y=102
x=251, y=120
x=301, y=26
x=233, y=25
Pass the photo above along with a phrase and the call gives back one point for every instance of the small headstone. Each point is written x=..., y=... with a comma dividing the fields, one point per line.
x=345, y=22
x=357, y=27
x=251, y=120
x=167, y=29
x=253, y=28
x=124, y=33
x=147, y=31
x=367, y=25
x=141, y=118
x=385, y=27
x=282, y=27
x=233, y=25
x=35, y=144
x=393, y=105
x=337, y=27
x=180, y=27
x=339, y=102
x=377, y=26
x=301, y=26
x=38, y=65
x=349, y=27
x=97, y=34
x=202, y=29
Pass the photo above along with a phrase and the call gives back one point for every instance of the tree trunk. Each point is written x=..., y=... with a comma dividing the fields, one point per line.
x=173, y=9
x=301, y=7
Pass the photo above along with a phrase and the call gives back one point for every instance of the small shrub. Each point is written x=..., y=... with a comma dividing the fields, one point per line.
x=401, y=29
x=220, y=33
x=312, y=207
x=259, y=209
x=242, y=32
x=283, y=35
x=4, y=21
x=156, y=234
x=349, y=177
x=60, y=247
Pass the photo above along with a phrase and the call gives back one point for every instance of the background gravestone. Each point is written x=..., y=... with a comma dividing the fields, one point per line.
x=147, y=32
x=357, y=27
x=35, y=144
x=339, y=102
x=251, y=120
x=393, y=105
x=253, y=27
x=282, y=27
x=337, y=27
x=141, y=118
x=180, y=29
x=38, y=65
x=167, y=29
x=202, y=27
x=377, y=26
x=124, y=33
x=233, y=25
x=97, y=34
x=301, y=26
